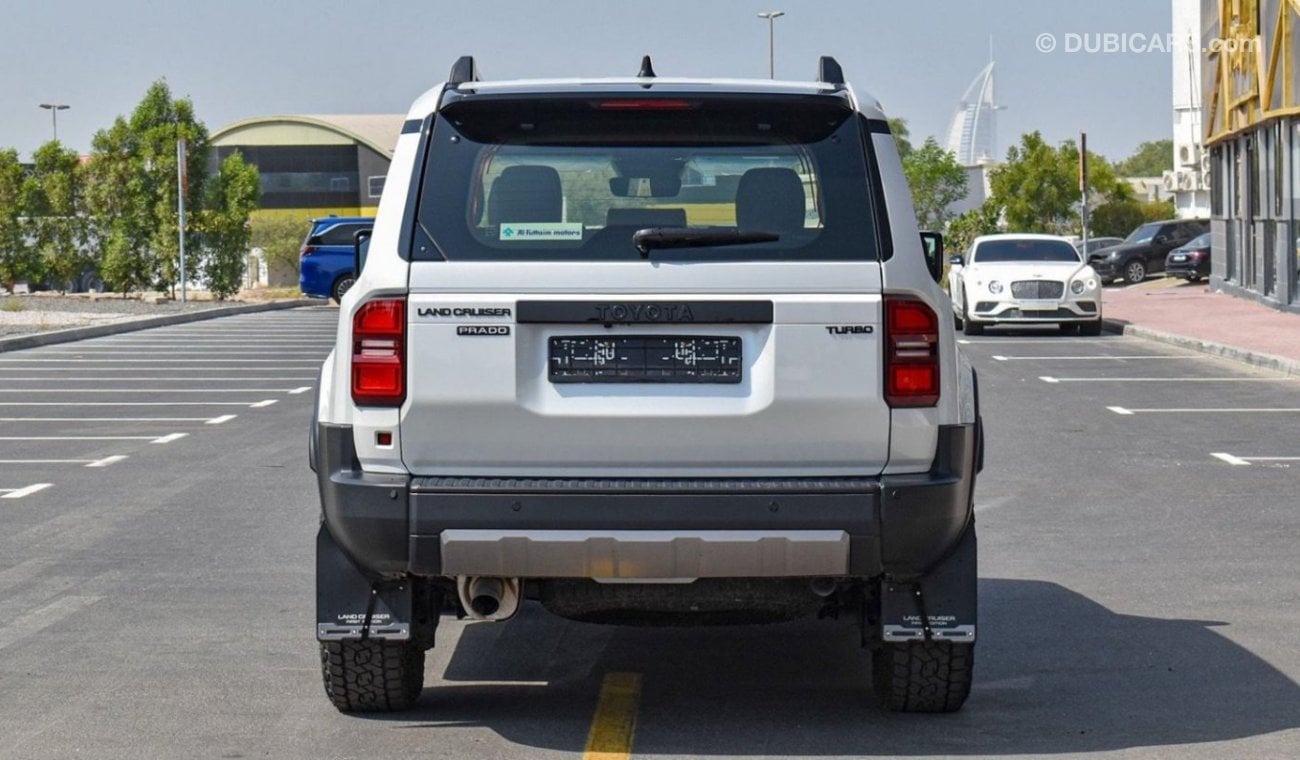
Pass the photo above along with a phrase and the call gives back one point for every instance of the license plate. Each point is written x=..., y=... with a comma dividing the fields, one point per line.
x=1179, y=257
x=644, y=359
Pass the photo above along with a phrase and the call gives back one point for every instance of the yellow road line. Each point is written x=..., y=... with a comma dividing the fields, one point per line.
x=615, y=720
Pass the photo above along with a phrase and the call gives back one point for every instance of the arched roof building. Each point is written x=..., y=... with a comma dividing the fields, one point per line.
x=318, y=164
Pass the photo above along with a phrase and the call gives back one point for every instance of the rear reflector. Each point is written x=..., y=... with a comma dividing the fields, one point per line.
x=379, y=353
x=911, y=353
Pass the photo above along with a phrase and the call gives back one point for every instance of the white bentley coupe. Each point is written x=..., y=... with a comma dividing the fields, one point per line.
x=1024, y=279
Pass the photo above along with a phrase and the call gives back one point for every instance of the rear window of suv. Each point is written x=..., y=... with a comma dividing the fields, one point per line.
x=549, y=178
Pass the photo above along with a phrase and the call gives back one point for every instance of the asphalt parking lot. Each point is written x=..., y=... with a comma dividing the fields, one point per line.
x=1139, y=589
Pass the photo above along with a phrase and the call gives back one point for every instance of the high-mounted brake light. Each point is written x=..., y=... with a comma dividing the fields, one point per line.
x=379, y=353
x=911, y=353
x=645, y=104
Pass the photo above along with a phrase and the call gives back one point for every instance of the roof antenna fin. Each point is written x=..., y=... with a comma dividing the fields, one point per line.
x=647, y=69
x=829, y=71
x=463, y=70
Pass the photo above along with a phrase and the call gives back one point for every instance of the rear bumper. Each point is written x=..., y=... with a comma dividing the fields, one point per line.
x=1187, y=269
x=394, y=525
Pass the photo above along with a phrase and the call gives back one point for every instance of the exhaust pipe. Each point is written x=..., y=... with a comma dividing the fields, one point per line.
x=489, y=598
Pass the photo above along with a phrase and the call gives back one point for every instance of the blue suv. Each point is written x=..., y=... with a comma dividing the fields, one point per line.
x=325, y=261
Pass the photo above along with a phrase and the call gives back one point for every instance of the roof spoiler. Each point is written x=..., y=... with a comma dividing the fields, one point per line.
x=829, y=71
x=463, y=70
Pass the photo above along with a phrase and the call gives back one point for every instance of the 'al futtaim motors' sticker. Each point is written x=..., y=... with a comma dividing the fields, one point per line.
x=542, y=231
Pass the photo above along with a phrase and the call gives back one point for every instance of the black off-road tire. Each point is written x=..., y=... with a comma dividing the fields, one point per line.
x=1135, y=271
x=372, y=676
x=923, y=676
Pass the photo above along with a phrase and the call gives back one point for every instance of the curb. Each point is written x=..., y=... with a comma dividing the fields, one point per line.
x=52, y=337
x=1234, y=353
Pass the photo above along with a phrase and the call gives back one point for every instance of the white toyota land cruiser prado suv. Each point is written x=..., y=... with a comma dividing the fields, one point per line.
x=646, y=351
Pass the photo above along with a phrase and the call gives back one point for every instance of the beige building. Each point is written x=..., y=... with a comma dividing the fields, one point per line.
x=315, y=165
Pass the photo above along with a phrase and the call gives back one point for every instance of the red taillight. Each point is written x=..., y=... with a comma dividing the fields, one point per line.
x=646, y=104
x=911, y=353
x=306, y=250
x=379, y=353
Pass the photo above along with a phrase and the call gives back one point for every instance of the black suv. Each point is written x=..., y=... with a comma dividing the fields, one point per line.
x=1144, y=250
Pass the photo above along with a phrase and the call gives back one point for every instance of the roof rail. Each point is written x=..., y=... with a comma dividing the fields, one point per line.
x=829, y=71
x=463, y=70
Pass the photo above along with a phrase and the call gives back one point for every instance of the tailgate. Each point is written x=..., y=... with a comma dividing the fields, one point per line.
x=648, y=384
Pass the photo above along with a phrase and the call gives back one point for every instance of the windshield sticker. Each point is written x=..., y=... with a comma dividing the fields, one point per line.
x=542, y=231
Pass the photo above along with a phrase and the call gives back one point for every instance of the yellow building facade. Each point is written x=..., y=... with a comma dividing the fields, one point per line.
x=1250, y=84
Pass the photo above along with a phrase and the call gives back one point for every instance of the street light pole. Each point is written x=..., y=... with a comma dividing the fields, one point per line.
x=54, y=109
x=771, y=17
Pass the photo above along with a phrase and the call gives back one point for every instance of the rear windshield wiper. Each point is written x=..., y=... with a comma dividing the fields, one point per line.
x=650, y=238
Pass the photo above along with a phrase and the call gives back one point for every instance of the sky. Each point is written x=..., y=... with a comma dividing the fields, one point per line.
x=243, y=58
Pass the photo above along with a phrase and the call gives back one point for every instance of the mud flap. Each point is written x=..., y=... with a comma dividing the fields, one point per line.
x=349, y=605
x=941, y=606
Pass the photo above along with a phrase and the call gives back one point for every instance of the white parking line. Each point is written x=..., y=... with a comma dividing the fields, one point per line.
x=208, y=420
x=116, y=350
x=1092, y=358
x=145, y=390
x=18, y=493
x=165, y=341
x=106, y=461
x=223, y=419
x=154, y=379
x=170, y=437
x=1196, y=410
x=1053, y=341
x=262, y=404
x=1240, y=461
x=232, y=360
x=300, y=390
x=150, y=369
x=153, y=438
x=1050, y=379
x=126, y=403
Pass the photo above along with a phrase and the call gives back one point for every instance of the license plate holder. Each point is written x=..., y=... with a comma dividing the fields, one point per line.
x=696, y=359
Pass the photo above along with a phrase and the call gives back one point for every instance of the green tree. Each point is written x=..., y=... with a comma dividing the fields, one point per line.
x=280, y=238
x=1038, y=187
x=1151, y=159
x=936, y=180
x=963, y=230
x=118, y=198
x=18, y=259
x=223, y=225
x=1118, y=218
x=902, y=135
x=132, y=188
x=158, y=122
x=56, y=212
